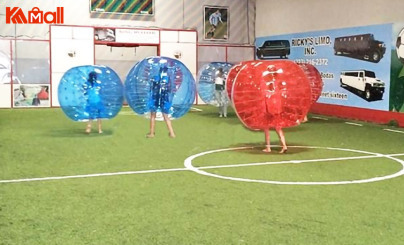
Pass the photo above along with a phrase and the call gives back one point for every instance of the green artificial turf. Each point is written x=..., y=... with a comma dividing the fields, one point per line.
x=173, y=205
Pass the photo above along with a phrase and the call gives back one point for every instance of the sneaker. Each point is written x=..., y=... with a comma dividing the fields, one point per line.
x=220, y=115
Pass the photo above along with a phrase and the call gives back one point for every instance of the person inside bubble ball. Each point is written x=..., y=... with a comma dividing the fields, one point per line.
x=161, y=100
x=281, y=136
x=220, y=92
x=94, y=105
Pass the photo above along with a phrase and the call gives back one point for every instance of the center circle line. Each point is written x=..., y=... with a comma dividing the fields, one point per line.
x=199, y=170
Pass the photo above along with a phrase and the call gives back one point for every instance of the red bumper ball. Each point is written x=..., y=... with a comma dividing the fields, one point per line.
x=316, y=82
x=231, y=76
x=271, y=94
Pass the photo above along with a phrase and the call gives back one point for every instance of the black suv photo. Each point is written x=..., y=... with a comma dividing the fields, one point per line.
x=362, y=47
x=274, y=48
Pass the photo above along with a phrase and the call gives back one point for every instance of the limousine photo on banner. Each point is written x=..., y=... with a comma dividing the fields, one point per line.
x=363, y=83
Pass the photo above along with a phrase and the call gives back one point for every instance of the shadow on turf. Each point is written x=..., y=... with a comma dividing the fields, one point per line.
x=258, y=147
x=78, y=133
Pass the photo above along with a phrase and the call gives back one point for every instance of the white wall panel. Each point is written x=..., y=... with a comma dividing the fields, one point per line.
x=85, y=33
x=5, y=95
x=169, y=14
x=187, y=50
x=168, y=36
x=62, y=32
x=187, y=37
x=5, y=70
x=237, y=54
x=69, y=52
x=294, y=16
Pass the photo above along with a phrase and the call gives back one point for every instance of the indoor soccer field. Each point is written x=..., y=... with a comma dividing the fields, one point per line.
x=341, y=182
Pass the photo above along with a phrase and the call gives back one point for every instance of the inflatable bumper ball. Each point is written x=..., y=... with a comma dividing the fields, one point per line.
x=162, y=85
x=270, y=94
x=316, y=82
x=231, y=76
x=206, y=81
x=90, y=92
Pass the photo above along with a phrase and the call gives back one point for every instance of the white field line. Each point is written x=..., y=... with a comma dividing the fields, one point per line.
x=321, y=118
x=395, y=131
x=188, y=164
x=186, y=169
x=195, y=109
x=291, y=161
x=127, y=113
x=355, y=124
x=93, y=175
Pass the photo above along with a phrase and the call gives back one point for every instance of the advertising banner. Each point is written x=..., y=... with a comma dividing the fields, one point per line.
x=354, y=62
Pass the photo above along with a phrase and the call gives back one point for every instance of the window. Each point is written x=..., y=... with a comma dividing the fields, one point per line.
x=370, y=74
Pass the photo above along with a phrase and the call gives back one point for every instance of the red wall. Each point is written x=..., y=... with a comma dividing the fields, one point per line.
x=376, y=116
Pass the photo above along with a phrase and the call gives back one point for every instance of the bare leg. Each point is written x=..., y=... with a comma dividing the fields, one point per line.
x=224, y=102
x=88, y=127
x=99, y=126
x=169, y=126
x=267, y=141
x=281, y=135
x=152, y=125
x=305, y=119
x=219, y=101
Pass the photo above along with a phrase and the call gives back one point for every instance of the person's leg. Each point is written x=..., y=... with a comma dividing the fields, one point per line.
x=224, y=103
x=152, y=125
x=210, y=32
x=281, y=135
x=267, y=141
x=99, y=126
x=219, y=102
x=213, y=31
x=220, y=110
x=88, y=127
x=169, y=125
